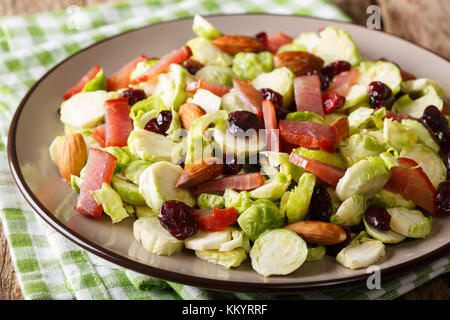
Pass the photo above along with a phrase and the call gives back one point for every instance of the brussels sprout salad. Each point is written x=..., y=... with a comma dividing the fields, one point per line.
x=270, y=148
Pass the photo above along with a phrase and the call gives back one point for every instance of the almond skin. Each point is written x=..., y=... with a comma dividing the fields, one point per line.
x=234, y=44
x=71, y=155
x=200, y=171
x=188, y=113
x=299, y=62
x=318, y=232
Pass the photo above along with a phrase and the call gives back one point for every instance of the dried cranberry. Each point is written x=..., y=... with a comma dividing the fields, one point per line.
x=437, y=125
x=178, y=218
x=442, y=200
x=334, y=68
x=378, y=218
x=387, y=103
x=324, y=80
x=192, y=66
x=262, y=36
x=448, y=165
x=332, y=101
x=380, y=95
x=133, y=95
x=321, y=208
x=281, y=113
x=231, y=165
x=334, y=249
x=161, y=123
x=379, y=90
x=275, y=97
x=182, y=161
x=241, y=121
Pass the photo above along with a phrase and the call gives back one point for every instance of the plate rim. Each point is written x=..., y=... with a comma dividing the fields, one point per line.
x=193, y=280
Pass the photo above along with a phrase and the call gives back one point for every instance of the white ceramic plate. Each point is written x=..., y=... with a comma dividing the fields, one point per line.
x=36, y=123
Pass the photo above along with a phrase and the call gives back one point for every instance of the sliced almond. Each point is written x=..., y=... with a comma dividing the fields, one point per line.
x=71, y=155
x=188, y=113
x=200, y=171
x=235, y=44
x=318, y=232
x=299, y=62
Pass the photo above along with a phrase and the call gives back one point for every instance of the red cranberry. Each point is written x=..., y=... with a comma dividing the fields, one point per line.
x=437, y=125
x=379, y=90
x=241, y=121
x=334, y=249
x=178, y=218
x=332, y=101
x=334, y=68
x=133, y=95
x=380, y=95
x=442, y=199
x=275, y=97
x=262, y=36
x=448, y=165
x=378, y=218
x=161, y=123
x=192, y=66
x=231, y=165
x=320, y=208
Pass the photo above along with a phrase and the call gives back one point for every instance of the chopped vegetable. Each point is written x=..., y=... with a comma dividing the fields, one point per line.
x=278, y=252
x=361, y=252
x=155, y=238
x=209, y=201
x=249, y=65
x=111, y=202
x=262, y=215
x=300, y=197
x=366, y=177
x=227, y=259
x=410, y=223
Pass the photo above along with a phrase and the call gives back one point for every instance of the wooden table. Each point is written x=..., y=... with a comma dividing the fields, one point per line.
x=424, y=22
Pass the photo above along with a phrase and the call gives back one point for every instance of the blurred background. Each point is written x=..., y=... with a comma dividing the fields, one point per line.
x=424, y=22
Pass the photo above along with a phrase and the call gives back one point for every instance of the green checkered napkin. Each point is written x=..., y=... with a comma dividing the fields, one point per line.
x=47, y=265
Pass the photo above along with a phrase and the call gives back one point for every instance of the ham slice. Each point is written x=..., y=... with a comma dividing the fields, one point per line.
x=99, y=168
x=308, y=96
x=239, y=182
x=309, y=134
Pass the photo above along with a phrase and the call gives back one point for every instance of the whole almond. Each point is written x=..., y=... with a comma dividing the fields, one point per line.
x=299, y=62
x=235, y=44
x=188, y=113
x=200, y=171
x=318, y=232
x=71, y=155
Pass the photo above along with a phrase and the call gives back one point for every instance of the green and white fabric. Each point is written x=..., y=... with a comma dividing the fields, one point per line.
x=47, y=265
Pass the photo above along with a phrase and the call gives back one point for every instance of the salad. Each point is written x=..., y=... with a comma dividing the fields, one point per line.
x=270, y=148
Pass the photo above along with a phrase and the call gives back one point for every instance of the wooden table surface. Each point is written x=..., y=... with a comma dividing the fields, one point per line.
x=424, y=22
